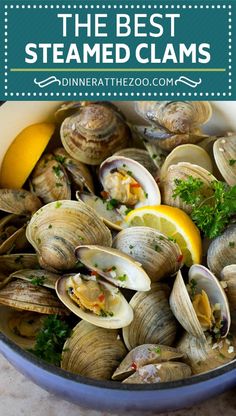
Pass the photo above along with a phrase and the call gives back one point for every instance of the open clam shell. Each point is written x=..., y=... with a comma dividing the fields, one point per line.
x=18, y=201
x=93, y=352
x=120, y=313
x=159, y=256
x=222, y=251
x=157, y=373
x=143, y=355
x=182, y=306
x=205, y=356
x=20, y=327
x=49, y=180
x=93, y=133
x=20, y=294
x=225, y=156
x=78, y=172
x=116, y=267
x=175, y=116
x=131, y=170
x=182, y=171
x=187, y=153
x=57, y=228
x=153, y=321
x=141, y=156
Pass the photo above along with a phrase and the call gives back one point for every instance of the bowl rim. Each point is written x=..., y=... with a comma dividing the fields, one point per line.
x=116, y=385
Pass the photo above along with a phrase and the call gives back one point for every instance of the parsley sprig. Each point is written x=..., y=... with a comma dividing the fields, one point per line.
x=211, y=214
x=50, y=339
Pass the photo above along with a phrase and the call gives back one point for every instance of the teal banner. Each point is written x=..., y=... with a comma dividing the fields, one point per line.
x=118, y=49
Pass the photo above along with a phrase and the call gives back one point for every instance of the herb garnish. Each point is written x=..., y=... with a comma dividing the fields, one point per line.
x=192, y=288
x=231, y=244
x=128, y=210
x=232, y=162
x=105, y=313
x=50, y=339
x=58, y=184
x=158, y=350
x=58, y=204
x=211, y=214
x=37, y=281
x=57, y=170
x=60, y=159
x=112, y=204
x=122, y=278
x=157, y=248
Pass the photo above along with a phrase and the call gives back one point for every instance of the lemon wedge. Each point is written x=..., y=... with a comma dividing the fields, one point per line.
x=23, y=154
x=173, y=222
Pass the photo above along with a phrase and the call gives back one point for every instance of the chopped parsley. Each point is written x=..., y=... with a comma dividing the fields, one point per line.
x=58, y=204
x=58, y=184
x=50, y=339
x=131, y=247
x=37, y=281
x=105, y=313
x=122, y=278
x=112, y=204
x=60, y=159
x=154, y=156
x=172, y=239
x=231, y=244
x=57, y=170
x=19, y=258
x=158, y=350
x=50, y=226
x=232, y=162
x=157, y=248
x=128, y=210
x=192, y=288
x=129, y=173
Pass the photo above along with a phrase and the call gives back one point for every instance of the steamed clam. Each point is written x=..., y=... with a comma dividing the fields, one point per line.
x=143, y=157
x=157, y=373
x=143, y=355
x=175, y=116
x=159, y=256
x=207, y=355
x=126, y=185
x=93, y=133
x=222, y=251
x=56, y=229
x=204, y=307
x=93, y=352
x=153, y=320
x=225, y=156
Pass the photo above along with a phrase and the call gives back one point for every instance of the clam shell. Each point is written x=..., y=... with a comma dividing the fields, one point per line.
x=141, y=156
x=79, y=173
x=159, y=373
x=111, y=218
x=49, y=180
x=42, y=277
x=153, y=320
x=16, y=241
x=225, y=156
x=122, y=312
x=94, y=133
x=187, y=153
x=175, y=116
x=57, y=228
x=10, y=263
x=166, y=140
x=20, y=294
x=228, y=275
x=159, y=256
x=18, y=201
x=182, y=308
x=27, y=320
x=205, y=356
x=138, y=172
x=222, y=251
x=116, y=267
x=143, y=355
x=182, y=171
x=92, y=352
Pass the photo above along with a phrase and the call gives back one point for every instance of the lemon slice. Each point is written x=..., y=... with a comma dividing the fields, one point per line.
x=24, y=153
x=173, y=222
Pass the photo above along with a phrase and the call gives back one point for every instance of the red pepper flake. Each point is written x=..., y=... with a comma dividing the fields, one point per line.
x=180, y=258
x=135, y=185
x=134, y=366
x=94, y=273
x=101, y=297
x=105, y=194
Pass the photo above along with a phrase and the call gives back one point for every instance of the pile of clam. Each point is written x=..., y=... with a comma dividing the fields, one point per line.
x=65, y=248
